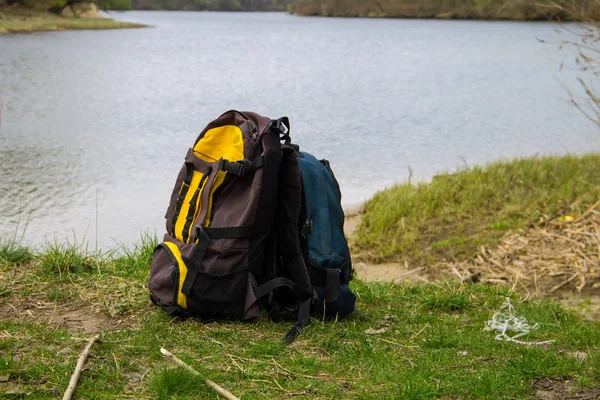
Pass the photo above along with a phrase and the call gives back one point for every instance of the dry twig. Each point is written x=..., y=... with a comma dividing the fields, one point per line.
x=210, y=383
x=79, y=367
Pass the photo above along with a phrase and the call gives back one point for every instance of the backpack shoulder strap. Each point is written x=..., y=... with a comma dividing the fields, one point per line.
x=288, y=215
x=292, y=272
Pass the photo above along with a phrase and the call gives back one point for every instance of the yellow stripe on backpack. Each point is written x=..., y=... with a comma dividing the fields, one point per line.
x=181, y=298
x=185, y=206
x=218, y=182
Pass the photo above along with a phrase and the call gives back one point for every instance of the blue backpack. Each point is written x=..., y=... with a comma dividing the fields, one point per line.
x=324, y=245
x=307, y=246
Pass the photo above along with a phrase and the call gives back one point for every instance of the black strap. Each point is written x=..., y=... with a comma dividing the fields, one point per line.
x=303, y=310
x=282, y=125
x=276, y=283
x=258, y=162
x=303, y=314
x=189, y=220
x=241, y=168
x=181, y=196
x=193, y=265
x=235, y=168
x=332, y=284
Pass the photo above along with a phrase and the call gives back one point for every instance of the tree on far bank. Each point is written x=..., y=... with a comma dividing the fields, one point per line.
x=587, y=46
x=57, y=6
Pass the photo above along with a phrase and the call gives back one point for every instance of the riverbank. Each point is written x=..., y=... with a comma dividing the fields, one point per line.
x=21, y=20
x=529, y=224
x=428, y=326
x=460, y=9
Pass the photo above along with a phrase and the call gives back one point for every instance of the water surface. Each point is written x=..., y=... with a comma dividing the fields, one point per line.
x=96, y=123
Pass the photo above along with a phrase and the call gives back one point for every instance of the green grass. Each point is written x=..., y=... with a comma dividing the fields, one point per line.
x=408, y=342
x=63, y=257
x=455, y=214
x=24, y=21
x=11, y=252
x=136, y=261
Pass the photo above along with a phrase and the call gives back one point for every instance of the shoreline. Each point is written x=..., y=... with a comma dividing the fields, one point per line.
x=441, y=17
x=20, y=21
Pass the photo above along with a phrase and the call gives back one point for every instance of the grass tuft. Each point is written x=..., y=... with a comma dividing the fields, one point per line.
x=14, y=254
x=416, y=390
x=66, y=257
x=137, y=260
x=176, y=383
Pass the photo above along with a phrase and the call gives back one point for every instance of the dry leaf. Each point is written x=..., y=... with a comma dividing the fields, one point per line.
x=371, y=331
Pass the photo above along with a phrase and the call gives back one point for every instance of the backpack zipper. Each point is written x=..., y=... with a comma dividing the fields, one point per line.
x=254, y=128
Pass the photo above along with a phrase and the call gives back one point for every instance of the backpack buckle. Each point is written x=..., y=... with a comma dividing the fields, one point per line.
x=306, y=228
x=235, y=168
x=280, y=125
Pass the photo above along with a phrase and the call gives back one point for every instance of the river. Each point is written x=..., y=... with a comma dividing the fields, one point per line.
x=95, y=124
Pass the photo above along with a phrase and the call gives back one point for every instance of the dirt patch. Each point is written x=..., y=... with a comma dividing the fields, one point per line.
x=554, y=389
x=76, y=317
x=389, y=272
x=352, y=219
x=84, y=306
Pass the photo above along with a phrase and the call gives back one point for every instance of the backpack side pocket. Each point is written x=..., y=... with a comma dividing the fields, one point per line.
x=167, y=265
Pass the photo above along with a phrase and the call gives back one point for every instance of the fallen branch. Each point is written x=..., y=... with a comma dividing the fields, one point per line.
x=210, y=383
x=79, y=367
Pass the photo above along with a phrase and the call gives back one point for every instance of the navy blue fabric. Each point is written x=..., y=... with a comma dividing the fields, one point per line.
x=342, y=306
x=326, y=242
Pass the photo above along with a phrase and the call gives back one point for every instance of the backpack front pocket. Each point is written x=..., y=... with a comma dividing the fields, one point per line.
x=216, y=286
x=219, y=297
x=193, y=196
x=188, y=194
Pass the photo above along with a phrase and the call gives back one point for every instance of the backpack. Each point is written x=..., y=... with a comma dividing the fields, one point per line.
x=233, y=242
x=324, y=244
x=311, y=224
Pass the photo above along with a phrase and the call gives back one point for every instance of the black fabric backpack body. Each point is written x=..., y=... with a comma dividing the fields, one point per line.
x=233, y=241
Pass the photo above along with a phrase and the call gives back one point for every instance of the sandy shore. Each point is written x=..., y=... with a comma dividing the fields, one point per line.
x=377, y=272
